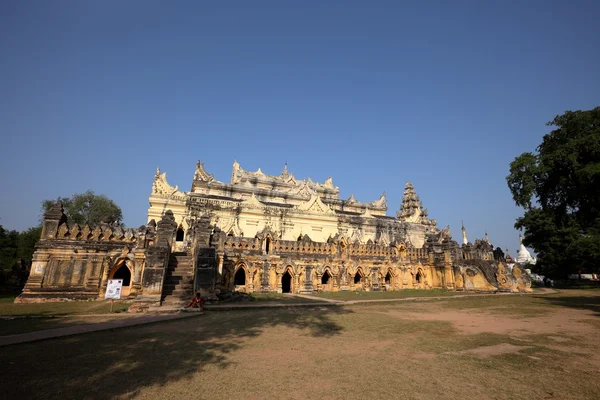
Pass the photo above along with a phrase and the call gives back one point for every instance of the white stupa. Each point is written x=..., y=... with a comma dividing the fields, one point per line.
x=523, y=256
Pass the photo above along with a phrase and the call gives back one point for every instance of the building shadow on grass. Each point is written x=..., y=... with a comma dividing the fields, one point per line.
x=591, y=303
x=118, y=363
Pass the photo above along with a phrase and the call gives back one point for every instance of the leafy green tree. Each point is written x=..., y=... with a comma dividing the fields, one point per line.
x=498, y=253
x=27, y=241
x=8, y=248
x=559, y=189
x=88, y=208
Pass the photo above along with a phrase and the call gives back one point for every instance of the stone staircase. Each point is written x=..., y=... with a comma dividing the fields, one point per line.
x=178, y=289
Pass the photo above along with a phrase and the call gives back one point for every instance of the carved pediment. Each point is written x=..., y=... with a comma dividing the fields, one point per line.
x=356, y=237
x=306, y=190
x=384, y=239
x=315, y=205
x=252, y=202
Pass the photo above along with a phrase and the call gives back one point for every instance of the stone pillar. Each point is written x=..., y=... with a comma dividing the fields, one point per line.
x=220, y=257
x=308, y=286
x=279, y=286
x=264, y=285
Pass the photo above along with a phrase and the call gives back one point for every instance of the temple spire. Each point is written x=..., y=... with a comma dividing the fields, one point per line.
x=410, y=209
x=464, y=233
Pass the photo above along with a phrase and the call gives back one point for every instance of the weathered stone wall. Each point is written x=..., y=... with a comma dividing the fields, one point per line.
x=75, y=262
x=72, y=262
x=336, y=266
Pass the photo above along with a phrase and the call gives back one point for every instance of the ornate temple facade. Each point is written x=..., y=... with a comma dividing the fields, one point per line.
x=261, y=233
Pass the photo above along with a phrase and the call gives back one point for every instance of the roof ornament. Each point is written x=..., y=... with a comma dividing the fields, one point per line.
x=381, y=202
x=201, y=174
x=329, y=183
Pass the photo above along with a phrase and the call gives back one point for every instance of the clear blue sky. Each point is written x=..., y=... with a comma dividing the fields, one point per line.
x=96, y=95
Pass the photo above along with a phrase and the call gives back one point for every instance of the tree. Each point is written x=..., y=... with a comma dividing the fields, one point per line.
x=8, y=248
x=88, y=208
x=27, y=241
x=559, y=189
x=498, y=254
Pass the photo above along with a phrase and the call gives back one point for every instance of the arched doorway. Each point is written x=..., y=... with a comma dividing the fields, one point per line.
x=180, y=234
x=240, y=277
x=286, y=282
x=326, y=281
x=268, y=244
x=419, y=277
x=388, y=278
x=122, y=272
x=357, y=278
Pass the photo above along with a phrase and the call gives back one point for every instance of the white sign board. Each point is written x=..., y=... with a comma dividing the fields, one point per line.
x=113, y=289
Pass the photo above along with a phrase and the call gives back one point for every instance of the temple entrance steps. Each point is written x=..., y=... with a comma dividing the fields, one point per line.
x=178, y=288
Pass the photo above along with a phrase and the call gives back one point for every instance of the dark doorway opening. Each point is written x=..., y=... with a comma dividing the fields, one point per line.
x=180, y=234
x=123, y=273
x=268, y=245
x=286, y=282
x=419, y=277
x=326, y=278
x=240, y=277
x=388, y=278
x=357, y=278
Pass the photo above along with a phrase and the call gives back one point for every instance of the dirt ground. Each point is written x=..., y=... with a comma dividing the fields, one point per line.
x=511, y=347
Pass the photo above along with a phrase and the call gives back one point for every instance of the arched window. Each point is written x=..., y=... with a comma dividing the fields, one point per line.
x=268, y=244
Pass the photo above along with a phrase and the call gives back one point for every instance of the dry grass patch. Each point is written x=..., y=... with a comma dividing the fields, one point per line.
x=9, y=308
x=387, y=350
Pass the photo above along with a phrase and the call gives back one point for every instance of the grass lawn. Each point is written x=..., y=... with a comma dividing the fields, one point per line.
x=9, y=308
x=395, y=294
x=505, y=347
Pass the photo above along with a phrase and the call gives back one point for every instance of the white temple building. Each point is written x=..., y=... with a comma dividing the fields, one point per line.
x=523, y=255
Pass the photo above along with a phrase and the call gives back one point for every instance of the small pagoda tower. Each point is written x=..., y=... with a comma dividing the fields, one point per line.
x=464, y=234
x=410, y=210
